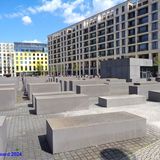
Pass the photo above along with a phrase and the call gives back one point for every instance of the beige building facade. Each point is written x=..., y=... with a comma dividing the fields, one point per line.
x=130, y=29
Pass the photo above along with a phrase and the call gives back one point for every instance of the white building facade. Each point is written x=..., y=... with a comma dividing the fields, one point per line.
x=7, y=54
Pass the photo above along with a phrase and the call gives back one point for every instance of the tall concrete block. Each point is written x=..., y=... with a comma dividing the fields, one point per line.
x=71, y=133
x=60, y=103
x=42, y=87
x=7, y=99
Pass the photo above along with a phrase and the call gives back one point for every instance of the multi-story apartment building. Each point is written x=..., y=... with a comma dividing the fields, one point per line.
x=31, y=58
x=7, y=67
x=130, y=29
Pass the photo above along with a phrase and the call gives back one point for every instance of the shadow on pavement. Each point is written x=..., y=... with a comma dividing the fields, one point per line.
x=32, y=111
x=43, y=143
x=114, y=154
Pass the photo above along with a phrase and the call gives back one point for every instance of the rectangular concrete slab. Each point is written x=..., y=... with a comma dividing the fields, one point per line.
x=42, y=87
x=3, y=135
x=123, y=100
x=144, y=88
x=61, y=103
x=154, y=95
x=71, y=133
x=7, y=99
x=74, y=83
x=34, y=95
x=92, y=90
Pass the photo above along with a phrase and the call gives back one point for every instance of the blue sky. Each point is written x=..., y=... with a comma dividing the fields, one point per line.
x=33, y=20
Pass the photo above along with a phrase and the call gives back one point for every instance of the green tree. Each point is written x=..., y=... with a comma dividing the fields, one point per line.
x=39, y=68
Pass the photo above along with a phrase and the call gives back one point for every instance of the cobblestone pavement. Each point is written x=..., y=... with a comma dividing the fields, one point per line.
x=26, y=133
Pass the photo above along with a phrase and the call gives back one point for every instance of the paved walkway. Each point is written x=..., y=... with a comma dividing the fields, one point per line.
x=26, y=133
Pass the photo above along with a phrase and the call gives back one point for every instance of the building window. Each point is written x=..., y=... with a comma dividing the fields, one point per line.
x=117, y=51
x=154, y=26
x=154, y=6
x=154, y=16
x=123, y=25
x=117, y=19
x=143, y=38
x=131, y=23
x=117, y=11
x=131, y=32
x=123, y=50
x=154, y=35
x=143, y=20
x=142, y=11
x=123, y=8
x=143, y=29
x=131, y=15
x=155, y=45
x=131, y=49
x=123, y=17
x=131, y=40
x=143, y=47
x=123, y=34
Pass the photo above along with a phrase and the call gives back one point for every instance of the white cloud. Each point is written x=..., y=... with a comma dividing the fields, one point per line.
x=32, y=41
x=70, y=16
x=72, y=10
x=47, y=6
x=100, y=5
x=26, y=20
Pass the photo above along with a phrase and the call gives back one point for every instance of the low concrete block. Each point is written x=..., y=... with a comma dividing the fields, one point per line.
x=93, y=90
x=124, y=100
x=154, y=95
x=7, y=99
x=42, y=87
x=60, y=103
x=3, y=135
x=34, y=95
x=71, y=133
x=73, y=83
x=144, y=88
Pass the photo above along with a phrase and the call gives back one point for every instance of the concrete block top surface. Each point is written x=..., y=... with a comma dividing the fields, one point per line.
x=91, y=85
x=46, y=93
x=146, y=83
x=46, y=83
x=121, y=96
x=156, y=91
x=7, y=89
x=61, y=96
x=7, y=84
x=2, y=119
x=90, y=120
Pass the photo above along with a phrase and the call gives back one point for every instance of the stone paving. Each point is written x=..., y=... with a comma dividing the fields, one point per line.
x=26, y=134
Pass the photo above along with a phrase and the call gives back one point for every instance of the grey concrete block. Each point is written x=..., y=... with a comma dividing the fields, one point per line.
x=73, y=83
x=71, y=133
x=42, y=87
x=7, y=99
x=154, y=95
x=60, y=103
x=124, y=100
x=109, y=88
x=143, y=88
x=93, y=90
x=3, y=135
x=34, y=95
x=28, y=80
